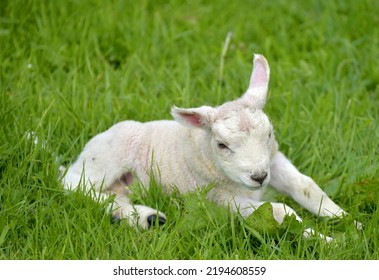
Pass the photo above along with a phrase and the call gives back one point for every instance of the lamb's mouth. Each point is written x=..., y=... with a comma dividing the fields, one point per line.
x=252, y=185
x=253, y=188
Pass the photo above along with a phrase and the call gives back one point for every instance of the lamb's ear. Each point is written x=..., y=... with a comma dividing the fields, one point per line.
x=197, y=117
x=256, y=94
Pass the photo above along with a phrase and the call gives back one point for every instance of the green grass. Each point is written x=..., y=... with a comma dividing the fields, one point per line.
x=70, y=69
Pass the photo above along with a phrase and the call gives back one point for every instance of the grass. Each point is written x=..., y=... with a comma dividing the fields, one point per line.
x=71, y=69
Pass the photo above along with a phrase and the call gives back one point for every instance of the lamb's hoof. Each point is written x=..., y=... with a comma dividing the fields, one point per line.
x=154, y=219
x=116, y=218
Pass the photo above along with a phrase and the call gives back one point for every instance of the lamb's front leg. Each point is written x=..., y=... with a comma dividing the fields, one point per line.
x=288, y=180
x=244, y=201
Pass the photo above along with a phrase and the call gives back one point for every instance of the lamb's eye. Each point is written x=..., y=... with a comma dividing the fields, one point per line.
x=270, y=134
x=222, y=146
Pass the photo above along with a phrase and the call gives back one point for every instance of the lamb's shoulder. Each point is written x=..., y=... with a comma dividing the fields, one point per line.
x=135, y=145
x=176, y=154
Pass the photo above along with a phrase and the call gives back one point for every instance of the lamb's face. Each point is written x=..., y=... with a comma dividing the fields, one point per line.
x=241, y=135
x=242, y=141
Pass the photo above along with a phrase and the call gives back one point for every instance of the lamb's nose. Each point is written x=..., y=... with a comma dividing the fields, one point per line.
x=259, y=178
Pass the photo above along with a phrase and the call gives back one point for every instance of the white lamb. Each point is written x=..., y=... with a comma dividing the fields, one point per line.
x=232, y=146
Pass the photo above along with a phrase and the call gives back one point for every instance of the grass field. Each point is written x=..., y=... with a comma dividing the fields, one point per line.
x=71, y=69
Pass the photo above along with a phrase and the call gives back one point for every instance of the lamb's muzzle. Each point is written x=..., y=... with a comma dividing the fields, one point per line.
x=259, y=178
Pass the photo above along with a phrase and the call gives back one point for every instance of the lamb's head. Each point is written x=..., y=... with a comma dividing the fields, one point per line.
x=240, y=134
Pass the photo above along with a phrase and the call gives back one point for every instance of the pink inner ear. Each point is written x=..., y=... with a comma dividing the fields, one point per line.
x=193, y=119
x=259, y=76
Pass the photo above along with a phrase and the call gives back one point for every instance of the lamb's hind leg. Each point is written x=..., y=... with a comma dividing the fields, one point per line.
x=98, y=170
x=122, y=208
x=139, y=215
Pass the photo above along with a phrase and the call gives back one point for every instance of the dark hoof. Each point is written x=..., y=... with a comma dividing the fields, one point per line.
x=154, y=219
x=116, y=219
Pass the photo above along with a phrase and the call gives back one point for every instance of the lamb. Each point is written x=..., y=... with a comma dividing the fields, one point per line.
x=231, y=146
